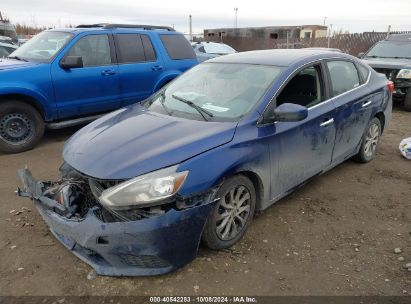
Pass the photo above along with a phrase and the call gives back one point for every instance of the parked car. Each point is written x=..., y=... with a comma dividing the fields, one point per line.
x=65, y=77
x=324, y=49
x=7, y=29
x=143, y=185
x=7, y=40
x=6, y=49
x=208, y=50
x=392, y=57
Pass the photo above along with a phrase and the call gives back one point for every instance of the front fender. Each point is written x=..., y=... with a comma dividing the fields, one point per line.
x=28, y=90
x=246, y=153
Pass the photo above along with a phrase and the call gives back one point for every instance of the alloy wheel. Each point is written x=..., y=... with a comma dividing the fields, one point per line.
x=371, y=140
x=233, y=213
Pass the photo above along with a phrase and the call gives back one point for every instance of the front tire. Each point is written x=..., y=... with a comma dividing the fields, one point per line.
x=232, y=214
x=370, y=141
x=21, y=127
x=407, y=101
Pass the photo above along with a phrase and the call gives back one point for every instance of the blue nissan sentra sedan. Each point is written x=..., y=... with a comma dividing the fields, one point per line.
x=142, y=186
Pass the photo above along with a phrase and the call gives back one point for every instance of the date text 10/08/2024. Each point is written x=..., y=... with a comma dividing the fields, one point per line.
x=206, y=299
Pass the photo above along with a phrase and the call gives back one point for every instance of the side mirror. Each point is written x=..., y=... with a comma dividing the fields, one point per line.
x=71, y=62
x=360, y=55
x=289, y=112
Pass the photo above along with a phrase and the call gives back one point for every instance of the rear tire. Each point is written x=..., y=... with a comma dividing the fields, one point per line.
x=232, y=214
x=370, y=141
x=407, y=101
x=21, y=127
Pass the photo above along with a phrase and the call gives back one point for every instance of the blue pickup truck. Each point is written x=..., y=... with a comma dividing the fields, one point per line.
x=71, y=76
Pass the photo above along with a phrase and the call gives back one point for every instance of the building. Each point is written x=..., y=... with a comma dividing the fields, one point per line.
x=249, y=38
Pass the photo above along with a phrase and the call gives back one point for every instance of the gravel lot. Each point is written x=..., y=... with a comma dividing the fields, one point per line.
x=334, y=236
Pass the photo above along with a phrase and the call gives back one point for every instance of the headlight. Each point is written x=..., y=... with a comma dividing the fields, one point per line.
x=145, y=190
x=404, y=74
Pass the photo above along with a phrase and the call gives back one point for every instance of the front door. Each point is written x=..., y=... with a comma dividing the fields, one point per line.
x=92, y=89
x=300, y=150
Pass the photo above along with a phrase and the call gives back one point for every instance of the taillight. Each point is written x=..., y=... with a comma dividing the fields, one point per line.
x=391, y=86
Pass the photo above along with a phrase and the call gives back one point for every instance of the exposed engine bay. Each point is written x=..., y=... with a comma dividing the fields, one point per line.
x=74, y=195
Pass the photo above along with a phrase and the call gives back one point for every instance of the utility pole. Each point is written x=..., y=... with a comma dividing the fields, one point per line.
x=287, y=39
x=389, y=31
x=235, y=17
x=191, y=27
x=329, y=35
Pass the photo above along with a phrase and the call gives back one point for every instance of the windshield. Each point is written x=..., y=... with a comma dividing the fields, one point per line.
x=391, y=49
x=226, y=91
x=216, y=48
x=42, y=47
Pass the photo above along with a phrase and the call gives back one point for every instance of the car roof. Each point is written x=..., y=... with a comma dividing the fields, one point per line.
x=278, y=57
x=108, y=26
x=208, y=42
x=400, y=37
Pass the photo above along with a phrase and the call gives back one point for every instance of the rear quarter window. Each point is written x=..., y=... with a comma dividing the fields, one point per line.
x=364, y=73
x=177, y=47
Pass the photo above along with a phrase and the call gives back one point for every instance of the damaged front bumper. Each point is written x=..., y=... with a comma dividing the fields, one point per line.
x=148, y=246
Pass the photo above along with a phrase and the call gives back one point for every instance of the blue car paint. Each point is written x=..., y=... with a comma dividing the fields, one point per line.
x=156, y=147
x=61, y=94
x=277, y=157
x=165, y=238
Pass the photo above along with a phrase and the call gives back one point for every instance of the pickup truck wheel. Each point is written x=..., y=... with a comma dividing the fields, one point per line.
x=370, y=141
x=407, y=101
x=21, y=127
x=232, y=214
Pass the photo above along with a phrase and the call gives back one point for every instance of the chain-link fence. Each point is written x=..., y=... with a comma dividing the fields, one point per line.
x=349, y=43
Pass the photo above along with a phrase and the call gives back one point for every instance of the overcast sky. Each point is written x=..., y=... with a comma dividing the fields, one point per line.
x=352, y=15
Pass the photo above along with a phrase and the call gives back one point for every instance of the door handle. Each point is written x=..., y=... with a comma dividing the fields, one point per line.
x=326, y=123
x=157, y=68
x=366, y=104
x=108, y=72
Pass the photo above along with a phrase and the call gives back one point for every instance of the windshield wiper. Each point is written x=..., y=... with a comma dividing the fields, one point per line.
x=162, y=101
x=193, y=105
x=17, y=58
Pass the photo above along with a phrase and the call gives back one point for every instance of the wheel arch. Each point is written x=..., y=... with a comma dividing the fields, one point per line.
x=381, y=117
x=255, y=180
x=165, y=79
x=25, y=99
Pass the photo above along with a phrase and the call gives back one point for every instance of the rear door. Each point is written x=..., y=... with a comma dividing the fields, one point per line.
x=94, y=88
x=140, y=66
x=353, y=101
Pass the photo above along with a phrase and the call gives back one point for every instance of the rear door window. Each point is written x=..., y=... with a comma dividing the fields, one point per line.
x=129, y=48
x=344, y=76
x=177, y=47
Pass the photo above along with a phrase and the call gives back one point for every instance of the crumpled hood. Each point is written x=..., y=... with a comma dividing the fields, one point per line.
x=388, y=63
x=133, y=141
x=7, y=64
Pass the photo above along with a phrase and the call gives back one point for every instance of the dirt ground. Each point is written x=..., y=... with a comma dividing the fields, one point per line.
x=334, y=236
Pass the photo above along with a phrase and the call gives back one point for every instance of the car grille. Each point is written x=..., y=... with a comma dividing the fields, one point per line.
x=389, y=73
x=144, y=261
